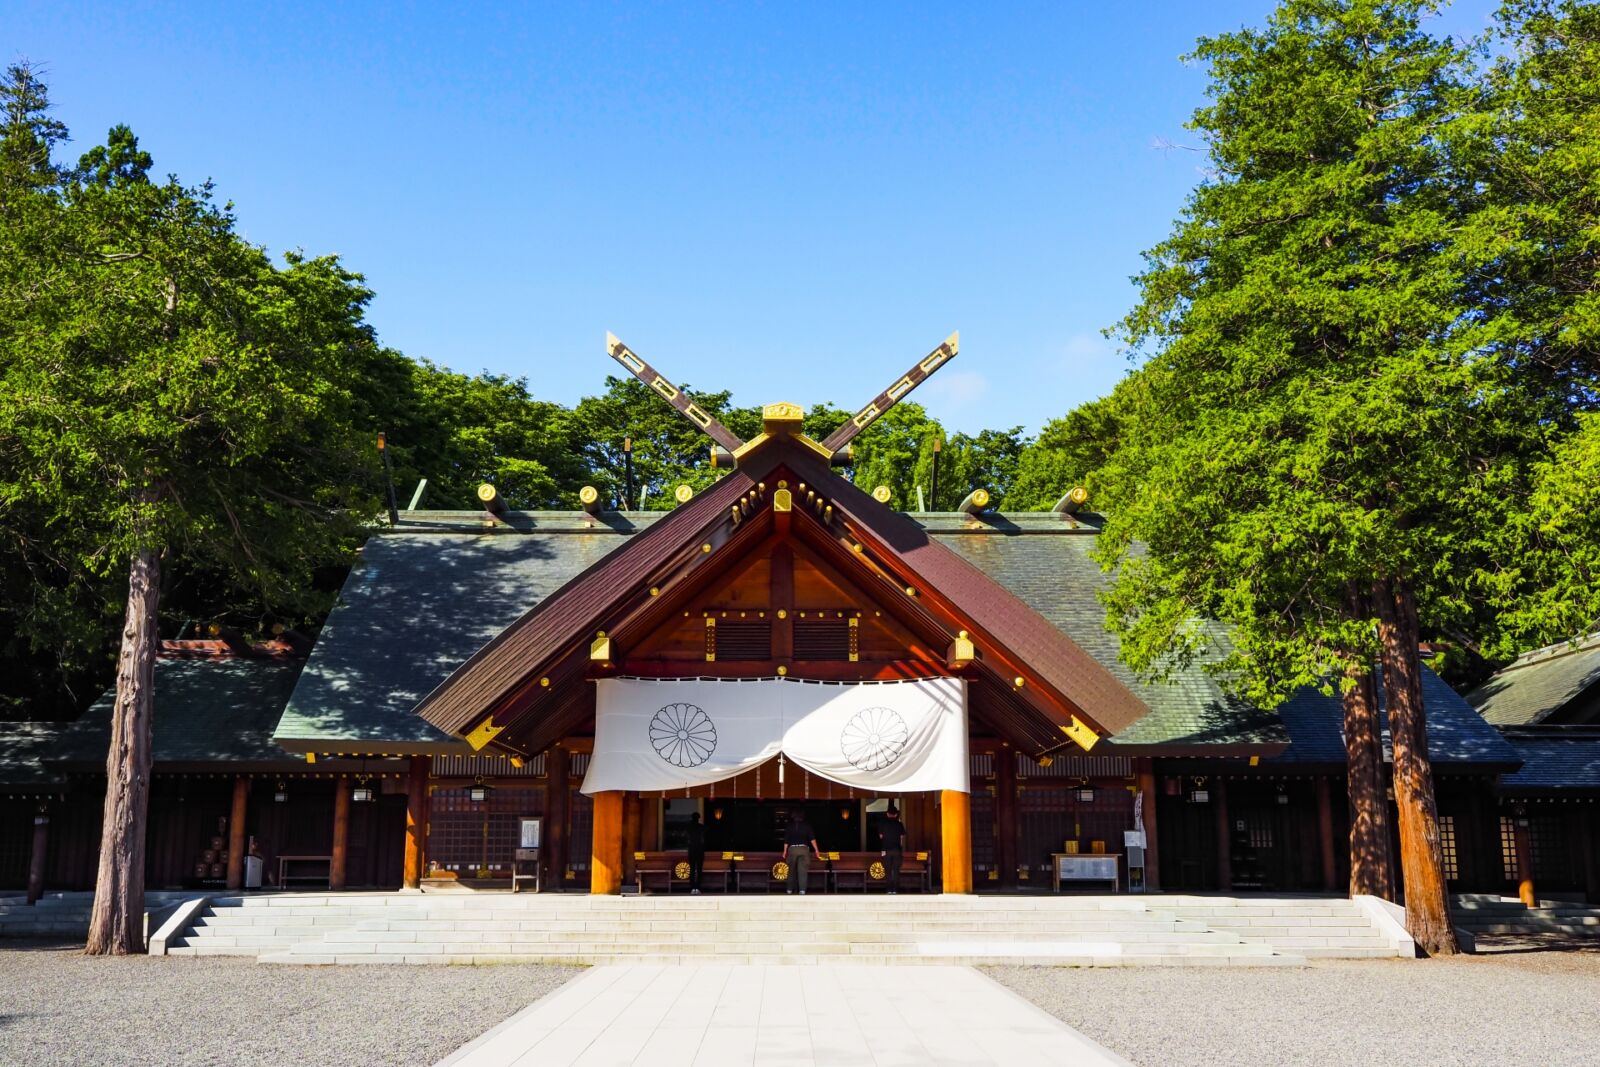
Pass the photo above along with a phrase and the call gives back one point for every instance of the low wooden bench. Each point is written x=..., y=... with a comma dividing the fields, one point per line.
x=670, y=871
x=756, y=868
x=866, y=871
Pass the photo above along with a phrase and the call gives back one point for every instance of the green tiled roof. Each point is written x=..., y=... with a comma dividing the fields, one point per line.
x=24, y=747
x=1047, y=563
x=1555, y=758
x=422, y=599
x=207, y=710
x=1540, y=684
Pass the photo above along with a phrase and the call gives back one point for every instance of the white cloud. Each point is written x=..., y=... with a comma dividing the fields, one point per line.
x=955, y=390
x=1083, y=349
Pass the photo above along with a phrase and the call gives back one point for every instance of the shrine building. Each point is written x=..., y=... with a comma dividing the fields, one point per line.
x=783, y=642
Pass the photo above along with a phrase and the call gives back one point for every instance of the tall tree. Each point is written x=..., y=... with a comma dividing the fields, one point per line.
x=168, y=390
x=1319, y=420
x=1541, y=154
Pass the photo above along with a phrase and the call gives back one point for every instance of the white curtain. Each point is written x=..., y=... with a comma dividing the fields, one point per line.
x=892, y=737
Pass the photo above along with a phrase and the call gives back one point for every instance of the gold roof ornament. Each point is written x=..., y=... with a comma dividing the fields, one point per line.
x=882, y=494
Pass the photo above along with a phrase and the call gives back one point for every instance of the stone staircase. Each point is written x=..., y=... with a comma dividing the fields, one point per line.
x=1488, y=918
x=66, y=915
x=574, y=929
x=1311, y=927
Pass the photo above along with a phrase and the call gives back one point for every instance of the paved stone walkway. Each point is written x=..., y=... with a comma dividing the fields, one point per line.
x=781, y=1015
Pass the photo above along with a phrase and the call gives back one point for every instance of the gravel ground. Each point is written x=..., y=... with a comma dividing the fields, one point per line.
x=1541, y=1009
x=59, y=1008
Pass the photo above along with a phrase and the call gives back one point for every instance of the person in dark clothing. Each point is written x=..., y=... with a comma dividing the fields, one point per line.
x=799, y=842
x=697, y=852
x=891, y=838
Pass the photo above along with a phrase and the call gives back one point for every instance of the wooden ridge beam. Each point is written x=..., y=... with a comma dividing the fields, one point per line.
x=897, y=392
x=680, y=401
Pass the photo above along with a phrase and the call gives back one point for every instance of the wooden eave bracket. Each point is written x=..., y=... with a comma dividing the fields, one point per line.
x=483, y=733
x=1081, y=734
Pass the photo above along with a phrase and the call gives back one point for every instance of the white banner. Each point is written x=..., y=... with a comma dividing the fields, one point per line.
x=892, y=737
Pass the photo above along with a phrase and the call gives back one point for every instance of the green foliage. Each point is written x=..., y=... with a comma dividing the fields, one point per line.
x=1540, y=144
x=1317, y=412
x=1070, y=451
x=459, y=432
x=163, y=386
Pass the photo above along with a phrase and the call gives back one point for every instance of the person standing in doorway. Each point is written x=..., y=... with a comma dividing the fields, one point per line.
x=697, y=852
x=799, y=842
x=891, y=838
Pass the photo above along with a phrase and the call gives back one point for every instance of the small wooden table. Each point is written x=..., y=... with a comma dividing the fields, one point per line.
x=286, y=873
x=1091, y=867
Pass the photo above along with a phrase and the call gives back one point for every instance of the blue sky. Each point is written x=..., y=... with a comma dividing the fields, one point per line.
x=794, y=202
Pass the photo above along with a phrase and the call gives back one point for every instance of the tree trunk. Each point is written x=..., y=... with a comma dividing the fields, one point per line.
x=1427, y=902
x=1371, y=869
x=116, y=925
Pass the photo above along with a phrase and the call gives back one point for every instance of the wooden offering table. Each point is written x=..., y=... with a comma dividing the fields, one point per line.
x=1078, y=867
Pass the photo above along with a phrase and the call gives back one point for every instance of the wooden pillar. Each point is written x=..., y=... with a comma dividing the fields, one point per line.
x=556, y=762
x=341, y=833
x=955, y=838
x=38, y=856
x=1005, y=814
x=1152, y=850
x=236, y=843
x=1523, y=836
x=416, y=855
x=631, y=815
x=1219, y=802
x=1589, y=826
x=1330, y=862
x=605, y=864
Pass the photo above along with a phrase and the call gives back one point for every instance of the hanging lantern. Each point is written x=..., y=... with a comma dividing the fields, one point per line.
x=1086, y=793
x=362, y=793
x=281, y=795
x=1200, y=794
x=478, y=792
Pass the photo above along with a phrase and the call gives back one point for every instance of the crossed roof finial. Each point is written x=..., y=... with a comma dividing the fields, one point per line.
x=835, y=442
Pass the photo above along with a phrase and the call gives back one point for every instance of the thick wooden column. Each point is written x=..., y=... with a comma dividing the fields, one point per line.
x=1219, y=803
x=955, y=838
x=38, y=856
x=1330, y=862
x=1152, y=849
x=631, y=816
x=416, y=821
x=605, y=863
x=556, y=801
x=241, y=801
x=1005, y=814
x=1522, y=832
x=341, y=833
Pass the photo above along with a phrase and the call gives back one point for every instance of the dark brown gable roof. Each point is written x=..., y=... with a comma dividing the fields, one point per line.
x=999, y=618
x=1061, y=675
x=571, y=614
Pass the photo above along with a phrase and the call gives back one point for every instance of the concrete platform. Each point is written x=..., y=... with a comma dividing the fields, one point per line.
x=716, y=1015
